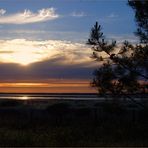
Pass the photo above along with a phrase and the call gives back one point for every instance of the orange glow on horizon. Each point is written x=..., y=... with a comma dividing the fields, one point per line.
x=43, y=84
x=23, y=84
x=62, y=87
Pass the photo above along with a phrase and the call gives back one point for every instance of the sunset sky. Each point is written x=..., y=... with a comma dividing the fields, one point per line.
x=43, y=42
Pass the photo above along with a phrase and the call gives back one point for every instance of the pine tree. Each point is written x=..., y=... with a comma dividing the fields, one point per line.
x=124, y=71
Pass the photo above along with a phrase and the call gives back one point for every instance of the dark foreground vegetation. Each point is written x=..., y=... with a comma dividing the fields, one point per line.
x=72, y=123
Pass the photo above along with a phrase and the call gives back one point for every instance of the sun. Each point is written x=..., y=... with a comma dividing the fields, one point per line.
x=25, y=52
x=24, y=58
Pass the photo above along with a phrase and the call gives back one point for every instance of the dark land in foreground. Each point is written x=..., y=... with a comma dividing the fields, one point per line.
x=72, y=123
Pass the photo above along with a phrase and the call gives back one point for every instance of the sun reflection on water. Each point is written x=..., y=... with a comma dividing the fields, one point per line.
x=24, y=98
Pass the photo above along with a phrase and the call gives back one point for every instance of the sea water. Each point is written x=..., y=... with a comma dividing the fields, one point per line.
x=28, y=96
x=68, y=96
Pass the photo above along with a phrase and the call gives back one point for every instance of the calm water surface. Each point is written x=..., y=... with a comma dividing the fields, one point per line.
x=27, y=96
x=50, y=96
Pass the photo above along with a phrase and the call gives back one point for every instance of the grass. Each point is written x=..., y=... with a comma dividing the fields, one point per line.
x=10, y=103
x=73, y=136
x=62, y=125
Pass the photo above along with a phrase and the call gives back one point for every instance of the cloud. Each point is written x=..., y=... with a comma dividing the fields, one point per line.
x=28, y=16
x=111, y=18
x=121, y=38
x=2, y=12
x=36, y=34
x=113, y=15
x=51, y=68
x=46, y=59
x=24, y=52
x=78, y=14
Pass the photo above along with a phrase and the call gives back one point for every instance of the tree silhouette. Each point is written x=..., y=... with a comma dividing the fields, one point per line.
x=141, y=16
x=123, y=70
